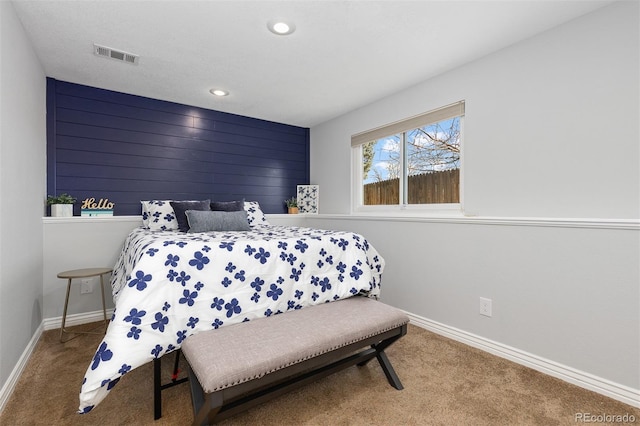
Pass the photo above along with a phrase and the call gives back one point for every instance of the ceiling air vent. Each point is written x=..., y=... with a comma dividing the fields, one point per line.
x=118, y=55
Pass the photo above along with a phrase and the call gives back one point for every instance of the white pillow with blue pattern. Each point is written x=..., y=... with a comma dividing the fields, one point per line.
x=158, y=215
x=255, y=215
x=145, y=213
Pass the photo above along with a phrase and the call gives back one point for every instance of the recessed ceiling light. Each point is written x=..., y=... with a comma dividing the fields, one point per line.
x=219, y=92
x=281, y=27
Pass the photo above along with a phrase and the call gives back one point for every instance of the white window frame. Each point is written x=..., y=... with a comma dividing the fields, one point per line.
x=456, y=109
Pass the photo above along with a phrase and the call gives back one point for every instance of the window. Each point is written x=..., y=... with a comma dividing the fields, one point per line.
x=413, y=162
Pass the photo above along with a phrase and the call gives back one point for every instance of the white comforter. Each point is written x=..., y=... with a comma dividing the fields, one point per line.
x=168, y=285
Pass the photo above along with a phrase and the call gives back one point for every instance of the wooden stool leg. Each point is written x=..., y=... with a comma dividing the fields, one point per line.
x=64, y=312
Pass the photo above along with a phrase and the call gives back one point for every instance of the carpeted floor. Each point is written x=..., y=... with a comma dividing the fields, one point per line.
x=446, y=383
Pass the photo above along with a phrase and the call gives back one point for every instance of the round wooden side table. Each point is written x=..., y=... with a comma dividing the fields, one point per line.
x=83, y=273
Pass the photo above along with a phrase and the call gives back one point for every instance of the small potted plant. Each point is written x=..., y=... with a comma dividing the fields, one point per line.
x=62, y=205
x=292, y=205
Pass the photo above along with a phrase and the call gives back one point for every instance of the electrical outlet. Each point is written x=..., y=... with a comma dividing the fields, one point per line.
x=485, y=306
x=86, y=286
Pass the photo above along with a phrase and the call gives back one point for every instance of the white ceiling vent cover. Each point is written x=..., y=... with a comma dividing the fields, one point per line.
x=118, y=55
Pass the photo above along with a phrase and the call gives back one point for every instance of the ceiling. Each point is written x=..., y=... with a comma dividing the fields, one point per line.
x=343, y=54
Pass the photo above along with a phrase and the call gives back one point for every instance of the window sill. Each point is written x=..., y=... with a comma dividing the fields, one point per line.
x=441, y=210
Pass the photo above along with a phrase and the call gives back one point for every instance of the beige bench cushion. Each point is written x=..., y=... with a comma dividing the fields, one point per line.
x=242, y=352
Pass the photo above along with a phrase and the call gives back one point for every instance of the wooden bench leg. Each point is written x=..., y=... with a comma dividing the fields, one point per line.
x=197, y=394
x=392, y=377
x=205, y=407
x=389, y=372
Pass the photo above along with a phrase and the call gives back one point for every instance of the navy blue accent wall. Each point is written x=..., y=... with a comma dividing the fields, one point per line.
x=127, y=148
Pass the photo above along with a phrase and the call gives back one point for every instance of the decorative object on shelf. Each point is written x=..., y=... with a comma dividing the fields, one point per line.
x=62, y=205
x=308, y=198
x=292, y=205
x=102, y=208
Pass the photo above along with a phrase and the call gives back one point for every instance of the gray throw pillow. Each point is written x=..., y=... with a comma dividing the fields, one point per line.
x=205, y=221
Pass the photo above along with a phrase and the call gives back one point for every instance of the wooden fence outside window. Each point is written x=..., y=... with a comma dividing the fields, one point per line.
x=427, y=188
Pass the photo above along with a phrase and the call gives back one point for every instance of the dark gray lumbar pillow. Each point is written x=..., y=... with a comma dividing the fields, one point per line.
x=227, y=206
x=205, y=221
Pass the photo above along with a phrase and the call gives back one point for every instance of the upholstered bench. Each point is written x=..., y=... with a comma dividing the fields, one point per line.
x=242, y=365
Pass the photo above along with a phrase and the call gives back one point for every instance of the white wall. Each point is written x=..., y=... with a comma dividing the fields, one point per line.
x=22, y=183
x=551, y=126
x=551, y=131
x=75, y=243
x=562, y=294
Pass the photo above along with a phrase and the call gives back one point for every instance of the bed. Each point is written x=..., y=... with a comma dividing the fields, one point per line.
x=169, y=284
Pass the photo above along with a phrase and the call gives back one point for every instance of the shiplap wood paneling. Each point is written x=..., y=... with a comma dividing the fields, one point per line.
x=127, y=148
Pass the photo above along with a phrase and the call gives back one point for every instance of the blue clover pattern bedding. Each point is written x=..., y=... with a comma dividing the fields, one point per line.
x=168, y=285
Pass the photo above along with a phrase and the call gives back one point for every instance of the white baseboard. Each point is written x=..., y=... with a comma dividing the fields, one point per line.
x=12, y=380
x=47, y=324
x=75, y=319
x=568, y=374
